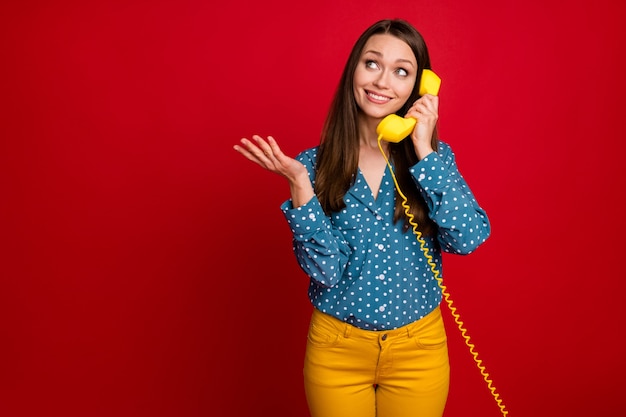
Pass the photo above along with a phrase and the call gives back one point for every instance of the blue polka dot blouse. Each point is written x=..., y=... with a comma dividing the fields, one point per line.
x=363, y=268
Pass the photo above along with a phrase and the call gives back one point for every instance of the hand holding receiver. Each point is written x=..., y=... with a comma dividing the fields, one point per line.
x=394, y=128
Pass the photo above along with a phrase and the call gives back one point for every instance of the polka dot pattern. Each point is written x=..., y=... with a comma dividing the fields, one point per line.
x=367, y=271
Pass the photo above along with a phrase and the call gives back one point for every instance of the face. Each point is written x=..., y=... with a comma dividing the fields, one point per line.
x=385, y=76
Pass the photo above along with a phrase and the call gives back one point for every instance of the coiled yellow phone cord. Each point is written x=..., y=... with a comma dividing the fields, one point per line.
x=444, y=289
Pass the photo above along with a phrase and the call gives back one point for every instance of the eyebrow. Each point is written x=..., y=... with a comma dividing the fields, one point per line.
x=380, y=55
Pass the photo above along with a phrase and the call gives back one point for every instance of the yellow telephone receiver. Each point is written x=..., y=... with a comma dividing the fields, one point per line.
x=394, y=128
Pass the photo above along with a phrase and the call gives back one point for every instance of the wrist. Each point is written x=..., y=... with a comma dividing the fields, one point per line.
x=301, y=189
x=422, y=150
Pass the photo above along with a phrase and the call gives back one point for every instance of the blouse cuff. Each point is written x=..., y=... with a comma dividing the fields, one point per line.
x=304, y=220
x=430, y=173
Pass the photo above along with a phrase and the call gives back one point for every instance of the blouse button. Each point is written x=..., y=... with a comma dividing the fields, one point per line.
x=381, y=246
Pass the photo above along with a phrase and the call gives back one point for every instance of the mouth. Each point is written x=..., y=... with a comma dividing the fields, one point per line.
x=377, y=98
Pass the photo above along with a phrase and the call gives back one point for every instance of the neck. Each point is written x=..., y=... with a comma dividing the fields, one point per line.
x=368, y=137
x=370, y=149
x=371, y=142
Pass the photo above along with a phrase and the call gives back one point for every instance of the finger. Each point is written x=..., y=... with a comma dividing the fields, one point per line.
x=248, y=150
x=419, y=110
x=261, y=149
x=254, y=152
x=427, y=108
x=264, y=147
x=276, y=151
x=428, y=100
x=431, y=103
x=251, y=157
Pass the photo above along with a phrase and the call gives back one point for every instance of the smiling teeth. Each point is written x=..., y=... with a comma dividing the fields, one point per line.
x=377, y=97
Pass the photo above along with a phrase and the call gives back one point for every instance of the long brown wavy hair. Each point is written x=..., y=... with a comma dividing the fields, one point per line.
x=338, y=155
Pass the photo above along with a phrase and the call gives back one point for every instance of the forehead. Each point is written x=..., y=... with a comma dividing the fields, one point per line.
x=389, y=47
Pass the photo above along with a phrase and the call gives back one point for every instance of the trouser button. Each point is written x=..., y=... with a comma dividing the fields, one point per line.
x=384, y=337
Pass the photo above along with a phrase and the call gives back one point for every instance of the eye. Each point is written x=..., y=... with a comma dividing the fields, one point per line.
x=402, y=72
x=371, y=64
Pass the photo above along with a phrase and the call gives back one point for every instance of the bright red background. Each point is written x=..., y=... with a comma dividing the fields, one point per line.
x=147, y=269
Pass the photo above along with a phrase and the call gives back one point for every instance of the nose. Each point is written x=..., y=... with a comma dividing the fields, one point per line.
x=382, y=80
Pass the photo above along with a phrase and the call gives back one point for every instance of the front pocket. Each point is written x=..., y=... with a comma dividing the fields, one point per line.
x=430, y=343
x=319, y=336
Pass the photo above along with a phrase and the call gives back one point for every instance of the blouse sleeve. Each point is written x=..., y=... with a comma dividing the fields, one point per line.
x=320, y=249
x=463, y=225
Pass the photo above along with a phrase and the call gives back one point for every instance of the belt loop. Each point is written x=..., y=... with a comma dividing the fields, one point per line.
x=409, y=332
x=347, y=330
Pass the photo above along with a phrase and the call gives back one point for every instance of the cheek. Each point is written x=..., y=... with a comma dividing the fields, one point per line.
x=359, y=81
x=360, y=78
x=405, y=89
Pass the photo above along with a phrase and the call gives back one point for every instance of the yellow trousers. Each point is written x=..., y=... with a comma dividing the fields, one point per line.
x=350, y=372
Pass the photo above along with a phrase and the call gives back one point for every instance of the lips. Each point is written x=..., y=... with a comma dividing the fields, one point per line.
x=377, y=98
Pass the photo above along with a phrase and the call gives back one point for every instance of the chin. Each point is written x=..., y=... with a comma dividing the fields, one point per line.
x=376, y=112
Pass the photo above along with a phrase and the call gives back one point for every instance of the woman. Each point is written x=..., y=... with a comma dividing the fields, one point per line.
x=376, y=344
